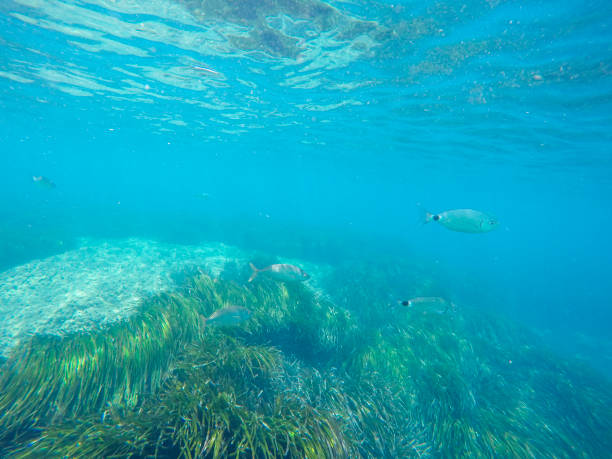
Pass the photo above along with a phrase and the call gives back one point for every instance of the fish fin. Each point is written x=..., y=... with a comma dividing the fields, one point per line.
x=255, y=272
x=424, y=215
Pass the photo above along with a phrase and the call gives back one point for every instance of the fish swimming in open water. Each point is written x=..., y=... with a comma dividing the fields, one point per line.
x=227, y=316
x=280, y=272
x=430, y=304
x=43, y=181
x=463, y=220
x=204, y=196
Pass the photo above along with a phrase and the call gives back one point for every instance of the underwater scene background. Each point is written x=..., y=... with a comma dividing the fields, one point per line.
x=151, y=151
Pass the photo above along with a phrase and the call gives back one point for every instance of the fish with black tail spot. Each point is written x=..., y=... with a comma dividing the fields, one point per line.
x=227, y=316
x=281, y=272
x=429, y=304
x=43, y=181
x=462, y=220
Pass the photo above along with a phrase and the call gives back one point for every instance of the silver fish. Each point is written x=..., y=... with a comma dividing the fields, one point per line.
x=463, y=220
x=227, y=316
x=430, y=304
x=280, y=272
x=43, y=181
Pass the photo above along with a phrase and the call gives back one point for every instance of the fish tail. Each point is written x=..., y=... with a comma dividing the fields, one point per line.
x=424, y=215
x=203, y=320
x=255, y=272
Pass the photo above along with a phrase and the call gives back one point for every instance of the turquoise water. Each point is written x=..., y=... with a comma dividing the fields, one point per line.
x=312, y=131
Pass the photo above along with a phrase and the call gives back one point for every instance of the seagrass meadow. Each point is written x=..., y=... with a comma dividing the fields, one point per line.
x=311, y=374
x=437, y=174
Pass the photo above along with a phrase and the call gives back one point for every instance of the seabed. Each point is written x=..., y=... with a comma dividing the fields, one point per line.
x=330, y=371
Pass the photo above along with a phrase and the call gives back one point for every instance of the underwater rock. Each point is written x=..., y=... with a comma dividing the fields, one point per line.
x=98, y=283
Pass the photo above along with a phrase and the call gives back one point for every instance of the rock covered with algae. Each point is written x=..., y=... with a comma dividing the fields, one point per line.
x=98, y=283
